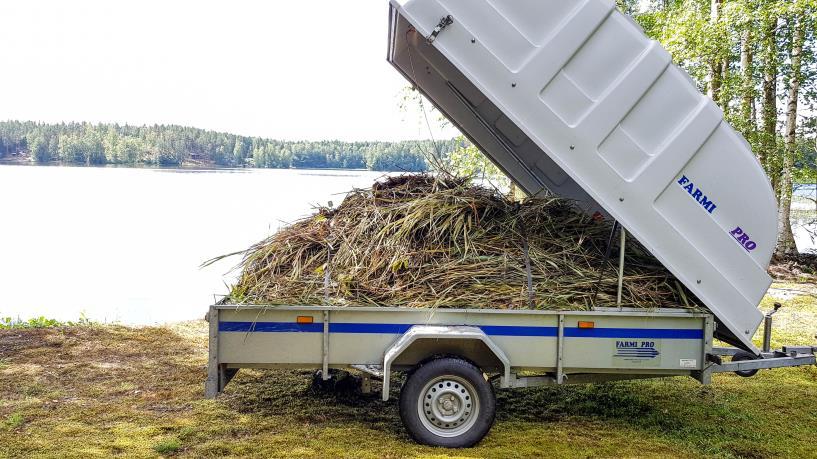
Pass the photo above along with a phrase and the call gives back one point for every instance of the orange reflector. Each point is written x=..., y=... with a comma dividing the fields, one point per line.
x=305, y=319
x=586, y=324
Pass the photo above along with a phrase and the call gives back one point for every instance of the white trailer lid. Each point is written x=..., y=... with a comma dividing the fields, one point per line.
x=572, y=97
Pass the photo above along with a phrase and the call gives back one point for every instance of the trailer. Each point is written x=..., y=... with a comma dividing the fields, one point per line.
x=453, y=357
x=568, y=98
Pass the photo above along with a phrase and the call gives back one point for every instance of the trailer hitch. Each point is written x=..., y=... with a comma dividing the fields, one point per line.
x=744, y=364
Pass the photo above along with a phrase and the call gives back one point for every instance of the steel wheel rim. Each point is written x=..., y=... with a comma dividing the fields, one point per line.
x=448, y=406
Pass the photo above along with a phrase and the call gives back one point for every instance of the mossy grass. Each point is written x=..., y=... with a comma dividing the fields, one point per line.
x=167, y=446
x=42, y=322
x=13, y=421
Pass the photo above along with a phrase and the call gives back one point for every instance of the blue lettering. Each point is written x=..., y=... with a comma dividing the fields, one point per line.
x=743, y=239
x=697, y=194
x=707, y=204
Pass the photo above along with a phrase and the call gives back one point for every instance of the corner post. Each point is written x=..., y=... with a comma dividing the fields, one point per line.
x=325, y=349
x=212, y=384
x=704, y=376
x=560, y=348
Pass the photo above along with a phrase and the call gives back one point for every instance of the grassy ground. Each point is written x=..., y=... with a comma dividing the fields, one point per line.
x=88, y=391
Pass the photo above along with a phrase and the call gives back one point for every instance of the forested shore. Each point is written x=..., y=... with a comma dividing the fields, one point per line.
x=171, y=145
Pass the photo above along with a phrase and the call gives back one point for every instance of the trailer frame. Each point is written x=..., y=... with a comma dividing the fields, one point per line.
x=464, y=335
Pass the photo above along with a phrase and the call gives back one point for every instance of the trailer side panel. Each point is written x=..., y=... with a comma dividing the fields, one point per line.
x=642, y=342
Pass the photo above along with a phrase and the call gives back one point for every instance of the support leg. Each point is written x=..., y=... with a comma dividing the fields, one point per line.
x=212, y=385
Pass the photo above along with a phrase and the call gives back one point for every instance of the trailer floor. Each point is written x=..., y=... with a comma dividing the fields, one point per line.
x=137, y=392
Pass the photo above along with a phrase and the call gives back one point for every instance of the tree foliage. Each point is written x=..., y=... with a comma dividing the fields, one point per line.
x=96, y=144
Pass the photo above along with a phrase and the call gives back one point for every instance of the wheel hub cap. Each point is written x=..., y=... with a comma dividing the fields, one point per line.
x=448, y=406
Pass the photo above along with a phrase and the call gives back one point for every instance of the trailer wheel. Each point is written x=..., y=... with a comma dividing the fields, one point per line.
x=741, y=356
x=447, y=402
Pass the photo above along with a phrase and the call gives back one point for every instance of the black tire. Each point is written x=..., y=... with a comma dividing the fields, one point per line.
x=741, y=356
x=465, y=404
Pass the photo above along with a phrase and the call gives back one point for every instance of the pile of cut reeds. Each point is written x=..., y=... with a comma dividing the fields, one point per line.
x=421, y=241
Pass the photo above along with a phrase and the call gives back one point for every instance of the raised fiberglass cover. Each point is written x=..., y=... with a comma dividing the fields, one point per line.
x=571, y=97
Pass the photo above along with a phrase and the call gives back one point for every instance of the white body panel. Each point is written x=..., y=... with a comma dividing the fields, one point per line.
x=572, y=97
x=270, y=336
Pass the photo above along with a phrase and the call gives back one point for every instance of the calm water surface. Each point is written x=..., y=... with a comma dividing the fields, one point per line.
x=125, y=245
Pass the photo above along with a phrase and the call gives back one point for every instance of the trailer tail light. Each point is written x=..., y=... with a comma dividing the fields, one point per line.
x=583, y=324
x=305, y=319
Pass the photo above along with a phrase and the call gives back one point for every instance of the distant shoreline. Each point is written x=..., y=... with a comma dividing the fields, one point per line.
x=23, y=142
x=187, y=166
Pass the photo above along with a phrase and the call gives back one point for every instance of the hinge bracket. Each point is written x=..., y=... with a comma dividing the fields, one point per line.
x=445, y=21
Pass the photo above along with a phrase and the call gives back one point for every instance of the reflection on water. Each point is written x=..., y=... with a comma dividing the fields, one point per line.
x=804, y=214
x=125, y=245
x=805, y=234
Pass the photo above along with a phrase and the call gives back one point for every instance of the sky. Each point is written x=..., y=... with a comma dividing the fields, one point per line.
x=280, y=69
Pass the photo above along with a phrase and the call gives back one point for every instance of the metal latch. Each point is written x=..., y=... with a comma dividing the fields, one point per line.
x=445, y=21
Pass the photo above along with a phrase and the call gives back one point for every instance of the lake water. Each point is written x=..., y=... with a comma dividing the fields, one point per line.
x=125, y=245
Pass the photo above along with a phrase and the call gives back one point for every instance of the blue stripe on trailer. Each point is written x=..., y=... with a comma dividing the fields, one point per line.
x=646, y=333
x=345, y=327
x=269, y=327
x=494, y=330
x=514, y=330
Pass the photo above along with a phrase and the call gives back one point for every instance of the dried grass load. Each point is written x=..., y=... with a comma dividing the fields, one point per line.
x=420, y=241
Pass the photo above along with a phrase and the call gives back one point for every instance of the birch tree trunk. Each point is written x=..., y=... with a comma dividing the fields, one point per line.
x=716, y=64
x=747, y=87
x=785, y=242
x=768, y=110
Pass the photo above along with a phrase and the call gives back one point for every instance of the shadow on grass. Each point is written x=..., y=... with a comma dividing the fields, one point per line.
x=275, y=392
x=678, y=410
x=291, y=393
x=610, y=401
